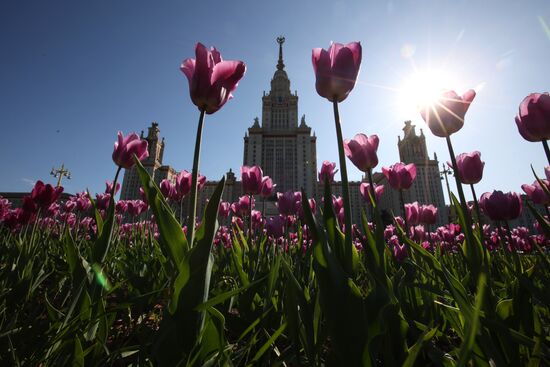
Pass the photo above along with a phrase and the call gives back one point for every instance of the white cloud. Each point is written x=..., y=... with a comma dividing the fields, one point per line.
x=28, y=181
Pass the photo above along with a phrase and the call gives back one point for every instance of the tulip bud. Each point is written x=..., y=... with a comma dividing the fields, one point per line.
x=533, y=119
x=211, y=80
x=400, y=176
x=251, y=178
x=446, y=116
x=364, y=188
x=500, y=206
x=536, y=192
x=327, y=171
x=470, y=167
x=126, y=147
x=336, y=70
x=361, y=151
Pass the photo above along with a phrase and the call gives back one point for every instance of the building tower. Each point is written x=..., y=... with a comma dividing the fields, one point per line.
x=427, y=188
x=285, y=150
x=153, y=163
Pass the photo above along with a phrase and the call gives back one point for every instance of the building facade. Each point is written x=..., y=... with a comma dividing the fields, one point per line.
x=285, y=150
x=153, y=165
x=427, y=187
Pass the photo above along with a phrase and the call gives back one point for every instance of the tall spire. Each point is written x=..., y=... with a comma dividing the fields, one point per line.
x=280, y=64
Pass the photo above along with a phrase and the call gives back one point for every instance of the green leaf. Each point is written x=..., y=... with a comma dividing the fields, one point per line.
x=318, y=233
x=415, y=349
x=225, y=296
x=473, y=324
x=103, y=242
x=97, y=214
x=267, y=345
x=473, y=249
x=78, y=354
x=172, y=238
x=180, y=331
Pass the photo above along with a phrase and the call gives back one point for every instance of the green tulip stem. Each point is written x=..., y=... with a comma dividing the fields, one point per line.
x=478, y=212
x=371, y=193
x=194, y=179
x=345, y=189
x=402, y=200
x=546, y=150
x=458, y=180
x=113, y=190
x=250, y=219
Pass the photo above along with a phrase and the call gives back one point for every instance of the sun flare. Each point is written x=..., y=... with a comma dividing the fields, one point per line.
x=423, y=88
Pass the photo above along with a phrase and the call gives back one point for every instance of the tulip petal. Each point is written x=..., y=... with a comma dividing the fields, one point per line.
x=188, y=68
x=227, y=74
x=467, y=98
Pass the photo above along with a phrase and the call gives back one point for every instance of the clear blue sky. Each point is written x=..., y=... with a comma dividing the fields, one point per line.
x=73, y=73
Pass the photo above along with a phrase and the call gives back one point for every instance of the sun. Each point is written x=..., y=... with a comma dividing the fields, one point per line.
x=423, y=89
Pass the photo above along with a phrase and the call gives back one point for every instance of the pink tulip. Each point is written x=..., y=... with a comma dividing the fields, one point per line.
x=201, y=181
x=109, y=187
x=53, y=210
x=287, y=203
x=412, y=213
x=336, y=70
x=500, y=206
x=45, y=195
x=69, y=205
x=29, y=209
x=536, y=192
x=400, y=252
x=470, y=167
x=238, y=221
x=143, y=195
x=102, y=201
x=337, y=203
x=136, y=207
x=83, y=202
x=121, y=206
x=167, y=189
x=266, y=187
x=70, y=219
x=427, y=214
x=211, y=80
x=300, y=210
x=183, y=184
x=547, y=172
x=126, y=147
x=256, y=217
x=251, y=178
x=327, y=171
x=224, y=209
x=275, y=226
x=5, y=206
x=243, y=206
x=364, y=189
x=361, y=150
x=533, y=119
x=400, y=176
x=446, y=116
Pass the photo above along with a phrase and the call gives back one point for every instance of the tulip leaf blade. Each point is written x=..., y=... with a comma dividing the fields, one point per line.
x=172, y=238
x=472, y=247
x=180, y=330
x=103, y=241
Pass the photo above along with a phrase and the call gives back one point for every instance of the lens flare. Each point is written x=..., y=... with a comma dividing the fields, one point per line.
x=101, y=278
x=544, y=26
x=424, y=88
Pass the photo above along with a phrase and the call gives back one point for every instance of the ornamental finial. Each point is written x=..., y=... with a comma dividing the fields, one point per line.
x=280, y=64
